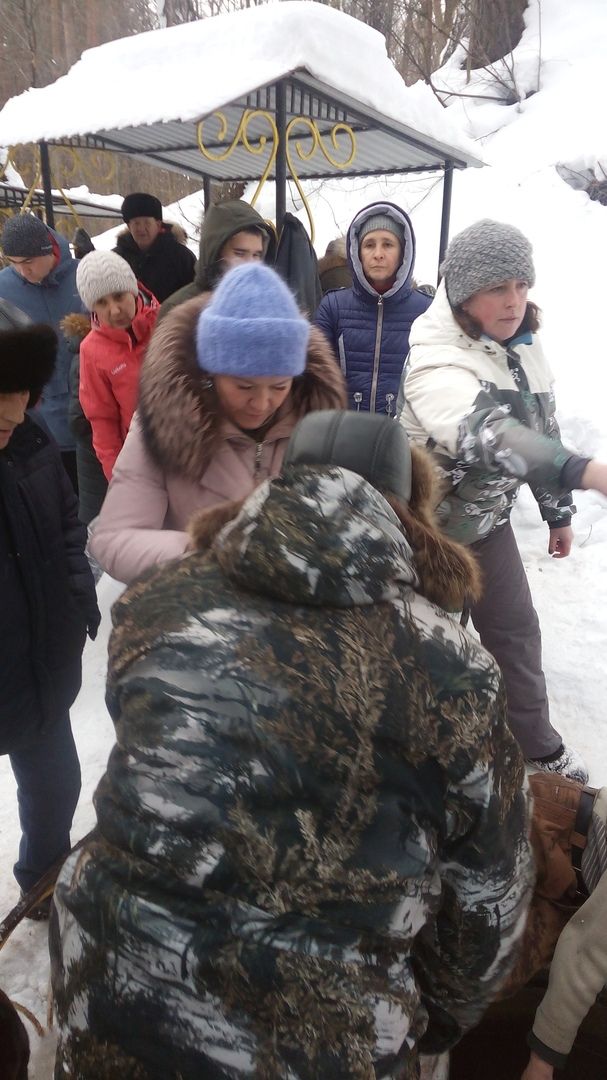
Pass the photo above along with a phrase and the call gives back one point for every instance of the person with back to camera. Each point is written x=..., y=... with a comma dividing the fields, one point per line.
x=478, y=393
x=223, y=384
x=368, y=324
x=312, y=855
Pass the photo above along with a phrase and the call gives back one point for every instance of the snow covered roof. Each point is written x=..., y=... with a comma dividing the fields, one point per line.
x=145, y=95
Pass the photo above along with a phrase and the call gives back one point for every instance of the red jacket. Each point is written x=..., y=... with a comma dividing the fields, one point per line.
x=110, y=361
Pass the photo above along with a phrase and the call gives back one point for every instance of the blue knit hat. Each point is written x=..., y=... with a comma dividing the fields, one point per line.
x=252, y=326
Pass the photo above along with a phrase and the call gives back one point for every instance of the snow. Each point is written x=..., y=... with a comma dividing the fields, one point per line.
x=186, y=72
x=524, y=143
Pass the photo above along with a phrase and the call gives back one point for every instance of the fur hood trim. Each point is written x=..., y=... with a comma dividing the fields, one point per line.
x=27, y=360
x=178, y=407
x=448, y=573
x=76, y=326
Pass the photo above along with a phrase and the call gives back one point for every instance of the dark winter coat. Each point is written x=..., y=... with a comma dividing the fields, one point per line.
x=92, y=484
x=312, y=852
x=166, y=266
x=47, y=591
x=369, y=332
x=49, y=302
x=221, y=221
x=297, y=264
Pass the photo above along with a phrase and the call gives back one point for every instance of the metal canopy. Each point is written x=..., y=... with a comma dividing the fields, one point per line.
x=382, y=144
x=14, y=198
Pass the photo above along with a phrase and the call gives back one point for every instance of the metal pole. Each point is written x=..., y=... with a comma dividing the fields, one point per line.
x=45, y=168
x=446, y=214
x=281, y=155
x=206, y=192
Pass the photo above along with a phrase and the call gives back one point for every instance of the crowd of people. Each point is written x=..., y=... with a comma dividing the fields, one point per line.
x=317, y=853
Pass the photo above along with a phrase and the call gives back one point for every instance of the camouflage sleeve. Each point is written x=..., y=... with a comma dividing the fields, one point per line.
x=554, y=509
x=486, y=868
x=491, y=436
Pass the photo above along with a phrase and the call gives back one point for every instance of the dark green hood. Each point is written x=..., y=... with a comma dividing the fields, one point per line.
x=220, y=223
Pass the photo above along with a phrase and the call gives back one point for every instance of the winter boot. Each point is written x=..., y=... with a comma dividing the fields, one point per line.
x=565, y=761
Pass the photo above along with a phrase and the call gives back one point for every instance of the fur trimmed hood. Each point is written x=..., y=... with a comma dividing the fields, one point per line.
x=178, y=409
x=28, y=353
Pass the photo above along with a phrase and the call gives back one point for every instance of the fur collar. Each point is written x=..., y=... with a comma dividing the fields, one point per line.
x=179, y=414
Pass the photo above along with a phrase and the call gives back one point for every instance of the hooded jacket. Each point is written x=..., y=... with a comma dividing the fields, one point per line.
x=312, y=852
x=221, y=221
x=47, y=594
x=181, y=455
x=110, y=362
x=167, y=264
x=49, y=302
x=369, y=331
x=486, y=411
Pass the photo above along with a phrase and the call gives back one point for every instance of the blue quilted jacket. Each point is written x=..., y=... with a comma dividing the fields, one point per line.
x=369, y=332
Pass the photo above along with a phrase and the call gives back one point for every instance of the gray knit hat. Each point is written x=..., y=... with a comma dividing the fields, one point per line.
x=103, y=272
x=382, y=221
x=484, y=255
x=26, y=237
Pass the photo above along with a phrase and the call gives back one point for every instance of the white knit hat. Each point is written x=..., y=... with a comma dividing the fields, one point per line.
x=101, y=273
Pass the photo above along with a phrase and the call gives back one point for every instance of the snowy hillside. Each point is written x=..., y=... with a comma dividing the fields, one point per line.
x=558, y=125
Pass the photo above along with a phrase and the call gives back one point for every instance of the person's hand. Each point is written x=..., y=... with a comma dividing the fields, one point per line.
x=537, y=1069
x=560, y=542
x=595, y=477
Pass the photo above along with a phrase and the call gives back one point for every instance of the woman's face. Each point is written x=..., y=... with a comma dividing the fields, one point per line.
x=499, y=310
x=250, y=402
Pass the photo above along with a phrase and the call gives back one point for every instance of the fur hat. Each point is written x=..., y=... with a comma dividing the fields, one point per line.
x=26, y=237
x=483, y=255
x=366, y=443
x=27, y=353
x=101, y=273
x=252, y=326
x=385, y=222
x=140, y=204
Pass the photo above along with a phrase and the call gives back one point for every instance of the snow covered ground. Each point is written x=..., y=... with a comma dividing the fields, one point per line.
x=522, y=143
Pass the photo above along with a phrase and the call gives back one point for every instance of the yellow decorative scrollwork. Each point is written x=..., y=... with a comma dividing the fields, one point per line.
x=68, y=168
x=316, y=143
x=242, y=135
x=259, y=144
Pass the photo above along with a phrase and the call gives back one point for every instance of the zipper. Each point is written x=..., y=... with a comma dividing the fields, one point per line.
x=357, y=398
x=389, y=400
x=376, y=354
x=258, y=452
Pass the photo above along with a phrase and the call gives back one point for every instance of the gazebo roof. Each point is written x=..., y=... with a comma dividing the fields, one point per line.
x=146, y=95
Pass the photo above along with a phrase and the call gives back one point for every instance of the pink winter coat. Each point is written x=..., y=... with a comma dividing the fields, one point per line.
x=181, y=455
x=110, y=362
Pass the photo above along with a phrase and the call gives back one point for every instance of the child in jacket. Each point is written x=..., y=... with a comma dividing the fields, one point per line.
x=123, y=315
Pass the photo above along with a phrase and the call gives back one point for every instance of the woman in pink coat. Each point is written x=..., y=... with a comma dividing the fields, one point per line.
x=223, y=384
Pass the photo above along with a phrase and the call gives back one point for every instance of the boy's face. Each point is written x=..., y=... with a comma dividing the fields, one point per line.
x=116, y=310
x=12, y=413
x=33, y=268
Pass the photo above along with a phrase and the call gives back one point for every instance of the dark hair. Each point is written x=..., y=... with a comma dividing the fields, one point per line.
x=471, y=327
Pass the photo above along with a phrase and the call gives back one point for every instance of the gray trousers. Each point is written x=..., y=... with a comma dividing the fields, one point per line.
x=508, y=627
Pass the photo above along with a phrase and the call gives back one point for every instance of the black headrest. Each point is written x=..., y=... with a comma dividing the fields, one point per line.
x=369, y=444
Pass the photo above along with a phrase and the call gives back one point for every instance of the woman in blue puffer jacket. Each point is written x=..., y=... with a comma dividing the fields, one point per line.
x=368, y=324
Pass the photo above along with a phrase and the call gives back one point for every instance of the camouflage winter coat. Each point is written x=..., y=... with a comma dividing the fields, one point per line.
x=312, y=851
x=487, y=413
